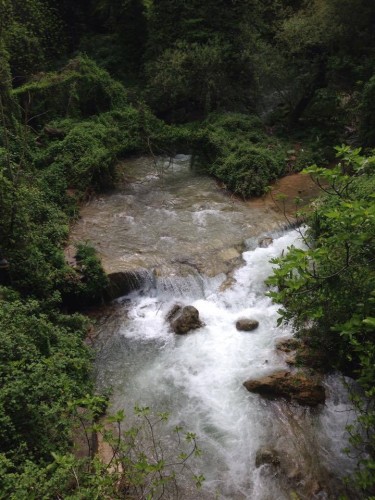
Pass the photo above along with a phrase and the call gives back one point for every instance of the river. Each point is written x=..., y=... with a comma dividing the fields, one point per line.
x=199, y=246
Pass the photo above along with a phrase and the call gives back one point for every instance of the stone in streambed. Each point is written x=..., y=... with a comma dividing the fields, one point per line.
x=176, y=309
x=288, y=345
x=298, y=387
x=246, y=324
x=184, y=319
x=265, y=242
x=291, y=359
x=266, y=456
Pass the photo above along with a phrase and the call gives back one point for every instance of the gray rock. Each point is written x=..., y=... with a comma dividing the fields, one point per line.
x=124, y=282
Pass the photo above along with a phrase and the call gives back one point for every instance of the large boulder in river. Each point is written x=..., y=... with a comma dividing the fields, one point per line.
x=298, y=387
x=246, y=324
x=184, y=319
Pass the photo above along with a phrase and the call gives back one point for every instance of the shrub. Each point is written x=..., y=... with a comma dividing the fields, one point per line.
x=239, y=152
x=327, y=289
x=81, y=89
x=43, y=365
x=142, y=464
x=247, y=170
x=93, y=281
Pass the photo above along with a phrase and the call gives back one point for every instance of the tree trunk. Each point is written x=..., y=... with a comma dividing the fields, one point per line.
x=319, y=81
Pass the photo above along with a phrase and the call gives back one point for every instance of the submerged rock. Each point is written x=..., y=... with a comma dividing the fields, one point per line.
x=246, y=324
x=184, y=319
x=265, y=242
x=297, y=386
x=294, y=472
x=266, y=456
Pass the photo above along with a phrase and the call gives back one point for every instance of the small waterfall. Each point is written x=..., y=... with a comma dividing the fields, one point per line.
x=124, y=282
x=198, y=379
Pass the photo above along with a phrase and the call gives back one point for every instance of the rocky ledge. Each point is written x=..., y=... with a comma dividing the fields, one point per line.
x=298, y=386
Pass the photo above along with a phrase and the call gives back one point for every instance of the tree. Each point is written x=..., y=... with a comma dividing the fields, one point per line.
x=313, y=60
x=202, y=47
x=123, y=24
x=327, y=289
x=33, y=34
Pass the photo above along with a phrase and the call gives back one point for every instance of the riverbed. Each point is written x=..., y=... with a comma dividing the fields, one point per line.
x=200, y=246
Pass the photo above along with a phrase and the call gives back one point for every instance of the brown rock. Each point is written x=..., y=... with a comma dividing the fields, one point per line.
x=315, y=487
x=266, y=456
x=246, y=324
x=291, y=359
x=288, y=345
x=295, y=386
x=184, y=319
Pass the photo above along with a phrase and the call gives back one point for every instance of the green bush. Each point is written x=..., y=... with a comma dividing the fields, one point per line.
x=238, y=151
x=43, y=365
x=327, y=289
x=84, y=157
x=33, y=33
x=237, y=123
x=143, y=464
x=32, y=231
x=190, y=79
x=84, y=154
x=92, y=282
x=81, y=89
x=247, y=170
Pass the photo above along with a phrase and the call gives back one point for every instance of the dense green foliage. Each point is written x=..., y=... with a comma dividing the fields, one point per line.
x=240, y=153
x=35, y=33
x=327, y=289
x=253, y=90
x=44, y=365
x=51, y=350
x=139, y=463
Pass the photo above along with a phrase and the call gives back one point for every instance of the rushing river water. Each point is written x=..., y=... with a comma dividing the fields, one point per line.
x=198, y=377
